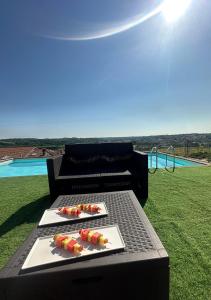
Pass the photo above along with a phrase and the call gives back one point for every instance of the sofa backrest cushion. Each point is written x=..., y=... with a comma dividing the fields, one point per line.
x=98, y=154
x=89, y=150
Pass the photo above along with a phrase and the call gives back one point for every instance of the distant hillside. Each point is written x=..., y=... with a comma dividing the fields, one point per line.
x=178, y=140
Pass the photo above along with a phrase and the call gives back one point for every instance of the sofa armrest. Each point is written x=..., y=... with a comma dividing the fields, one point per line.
x=140, y=162
x=140, y=172
x=53, y=166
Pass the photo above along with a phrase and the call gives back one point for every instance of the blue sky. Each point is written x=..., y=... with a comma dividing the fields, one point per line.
x=58, y=80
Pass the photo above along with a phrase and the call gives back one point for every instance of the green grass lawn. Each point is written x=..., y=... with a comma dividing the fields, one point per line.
x=179, y=207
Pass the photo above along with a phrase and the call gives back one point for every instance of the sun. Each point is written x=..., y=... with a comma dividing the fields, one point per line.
x=174, y=9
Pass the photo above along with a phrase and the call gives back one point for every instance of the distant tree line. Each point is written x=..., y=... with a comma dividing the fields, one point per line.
x=179, y=140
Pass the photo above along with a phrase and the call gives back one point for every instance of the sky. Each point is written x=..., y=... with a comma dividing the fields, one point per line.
x=103, y=68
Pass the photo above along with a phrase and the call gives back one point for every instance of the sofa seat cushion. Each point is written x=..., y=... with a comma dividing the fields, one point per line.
x=115, y=172
x=95, y=172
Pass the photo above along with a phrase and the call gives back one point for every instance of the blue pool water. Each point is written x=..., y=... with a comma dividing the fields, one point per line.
x=179, y=162
x=37, y=166
x=24, y=167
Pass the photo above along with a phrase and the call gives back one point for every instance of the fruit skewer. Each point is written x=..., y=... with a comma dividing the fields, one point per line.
x=70, y=211
x=93, y=237
x=89, y=207
x=68, y=243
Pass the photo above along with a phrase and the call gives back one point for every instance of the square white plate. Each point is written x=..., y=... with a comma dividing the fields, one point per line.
x=45, y=252
x=52, y=215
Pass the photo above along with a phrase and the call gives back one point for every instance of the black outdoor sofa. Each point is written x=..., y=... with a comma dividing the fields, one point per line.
x=104, y=167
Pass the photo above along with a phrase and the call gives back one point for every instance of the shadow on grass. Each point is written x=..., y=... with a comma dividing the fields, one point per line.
x=30, y=213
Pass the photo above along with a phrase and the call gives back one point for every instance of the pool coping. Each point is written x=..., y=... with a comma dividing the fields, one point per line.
x=6, y=162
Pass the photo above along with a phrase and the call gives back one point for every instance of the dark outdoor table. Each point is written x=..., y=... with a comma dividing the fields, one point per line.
x=141, y=271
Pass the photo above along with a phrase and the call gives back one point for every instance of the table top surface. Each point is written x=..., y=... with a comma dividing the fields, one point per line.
x=142, y=243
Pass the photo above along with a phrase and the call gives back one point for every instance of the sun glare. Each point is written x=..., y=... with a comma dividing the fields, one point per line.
x=173, y=9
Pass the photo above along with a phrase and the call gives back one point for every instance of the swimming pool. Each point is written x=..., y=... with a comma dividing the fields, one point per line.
x=24, y=167
x=179, y=162
x=37, y=166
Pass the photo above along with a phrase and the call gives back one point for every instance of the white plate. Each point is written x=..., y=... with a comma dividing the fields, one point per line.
x=45, y=252
x=52, y=215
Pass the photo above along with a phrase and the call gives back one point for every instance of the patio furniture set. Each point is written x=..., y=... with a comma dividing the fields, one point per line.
x=105, y=167
x=115, y=175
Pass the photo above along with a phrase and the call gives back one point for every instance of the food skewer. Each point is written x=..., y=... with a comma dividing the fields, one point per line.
x=68, y=243
x=93, y=237
x=89, y=207
x=70, y=211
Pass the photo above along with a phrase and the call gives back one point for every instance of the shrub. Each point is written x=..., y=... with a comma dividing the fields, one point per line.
x=199, y=155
